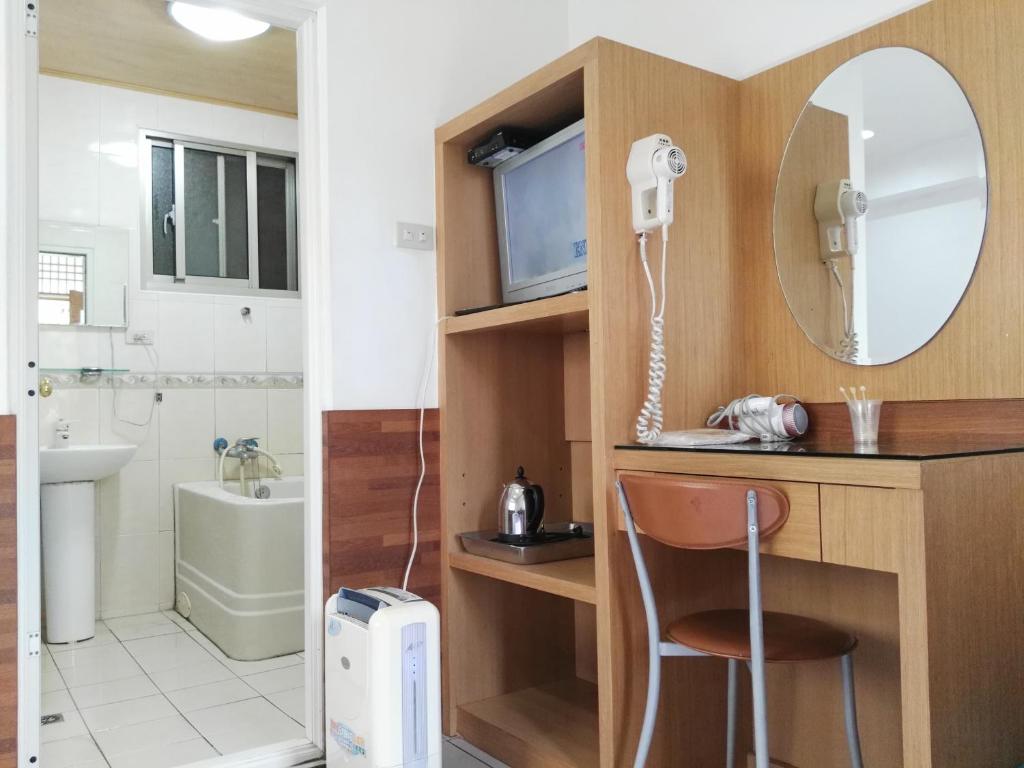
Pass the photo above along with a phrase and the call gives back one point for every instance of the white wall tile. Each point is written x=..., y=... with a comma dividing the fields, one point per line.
x=73, y=347
x=143, y=315
x=134, y=407
x=284, y=420
x=173, y=471
x=241, y=341
x=291, y=464
x=238, y=126
x=280, y=133
x=192, y=118
x=129, y=575
x=119, y=188
x=186, y=334
x=122, y=113
x=284, y=338
x=128, y=500
x=242, y=413
x=79, y=407
x=165, y=578
x=187, y=424
x=69, y=129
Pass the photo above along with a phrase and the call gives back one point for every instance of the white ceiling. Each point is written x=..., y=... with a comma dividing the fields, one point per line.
x=737, y=38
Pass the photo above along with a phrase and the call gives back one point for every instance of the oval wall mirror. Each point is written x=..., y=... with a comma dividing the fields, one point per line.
x=880, y=207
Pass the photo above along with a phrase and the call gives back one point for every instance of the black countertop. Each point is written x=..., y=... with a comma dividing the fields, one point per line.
x=905, y=448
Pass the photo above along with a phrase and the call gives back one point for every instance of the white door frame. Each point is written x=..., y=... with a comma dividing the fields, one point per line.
x=19, y=215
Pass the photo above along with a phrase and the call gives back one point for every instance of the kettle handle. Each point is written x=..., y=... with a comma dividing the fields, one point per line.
x=534, y=505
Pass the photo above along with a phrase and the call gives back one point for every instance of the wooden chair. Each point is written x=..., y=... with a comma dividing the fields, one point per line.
x=691, y=514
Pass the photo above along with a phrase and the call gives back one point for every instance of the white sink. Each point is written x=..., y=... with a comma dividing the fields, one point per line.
x=80, y=463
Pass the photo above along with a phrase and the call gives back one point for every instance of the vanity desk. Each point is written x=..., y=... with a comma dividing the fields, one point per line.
x=939, y=676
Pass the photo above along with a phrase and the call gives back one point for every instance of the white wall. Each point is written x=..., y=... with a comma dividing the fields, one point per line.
x=398, y=70
x=89, y=175
x=737, y=38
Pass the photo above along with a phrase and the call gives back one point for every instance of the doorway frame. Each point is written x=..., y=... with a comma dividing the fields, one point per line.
x=19, y=221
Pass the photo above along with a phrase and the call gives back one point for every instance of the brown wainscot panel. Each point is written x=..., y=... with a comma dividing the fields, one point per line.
x=371, y=464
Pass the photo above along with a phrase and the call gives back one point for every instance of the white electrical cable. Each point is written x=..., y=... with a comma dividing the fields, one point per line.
x=849, y=344
x=651, y=419
x=154, y=359
x=427, y=367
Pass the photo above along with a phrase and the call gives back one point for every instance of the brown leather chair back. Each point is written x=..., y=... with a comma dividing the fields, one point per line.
x=700, y=514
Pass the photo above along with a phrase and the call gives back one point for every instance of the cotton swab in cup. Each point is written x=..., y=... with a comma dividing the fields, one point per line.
x=846, y=397
x=863, y=392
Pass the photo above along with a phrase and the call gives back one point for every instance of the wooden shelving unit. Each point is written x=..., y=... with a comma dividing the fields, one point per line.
x=534, y=665
x=547, y=725
x=573, y=579
x=558, y=314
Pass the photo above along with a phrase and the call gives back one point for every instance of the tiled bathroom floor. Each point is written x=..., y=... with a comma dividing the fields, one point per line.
x=152, y=691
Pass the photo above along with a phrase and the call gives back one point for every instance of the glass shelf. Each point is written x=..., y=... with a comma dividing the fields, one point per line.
x=85, y=371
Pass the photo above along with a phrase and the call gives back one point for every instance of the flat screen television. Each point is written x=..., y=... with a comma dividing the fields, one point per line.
x=541, y=202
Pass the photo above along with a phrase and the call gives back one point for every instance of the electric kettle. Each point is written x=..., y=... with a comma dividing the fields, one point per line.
x=520, y=510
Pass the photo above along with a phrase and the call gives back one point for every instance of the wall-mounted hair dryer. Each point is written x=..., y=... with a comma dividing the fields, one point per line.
x=837, y=206
x=653, y=164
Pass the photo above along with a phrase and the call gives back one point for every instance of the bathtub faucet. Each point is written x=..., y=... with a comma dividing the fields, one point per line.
x=245, y=449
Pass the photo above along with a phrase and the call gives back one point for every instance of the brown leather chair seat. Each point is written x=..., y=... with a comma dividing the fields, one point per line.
x=726, y=633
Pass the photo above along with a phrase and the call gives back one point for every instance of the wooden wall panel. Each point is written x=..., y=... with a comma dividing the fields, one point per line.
x=371, y=464
x=8, y=595
x=980, y=352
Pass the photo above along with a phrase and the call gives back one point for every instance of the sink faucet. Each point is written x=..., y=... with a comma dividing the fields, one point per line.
x=62, y=433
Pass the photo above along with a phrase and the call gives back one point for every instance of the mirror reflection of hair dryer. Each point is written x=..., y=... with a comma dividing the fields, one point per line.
x=838, y=207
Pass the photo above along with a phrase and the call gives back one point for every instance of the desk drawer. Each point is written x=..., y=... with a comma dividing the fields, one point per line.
x=800, y=537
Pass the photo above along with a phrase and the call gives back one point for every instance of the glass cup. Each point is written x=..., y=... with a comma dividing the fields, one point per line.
x=864, y=415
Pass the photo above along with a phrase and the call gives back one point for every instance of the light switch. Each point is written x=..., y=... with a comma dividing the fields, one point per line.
x=417, y=236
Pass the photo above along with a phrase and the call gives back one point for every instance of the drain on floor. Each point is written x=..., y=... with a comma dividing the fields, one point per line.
x=51, y=719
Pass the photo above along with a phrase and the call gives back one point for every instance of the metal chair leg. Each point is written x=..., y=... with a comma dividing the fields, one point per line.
x=756, y=635
x=653, y=636
x=730, y=732
x=850, y=707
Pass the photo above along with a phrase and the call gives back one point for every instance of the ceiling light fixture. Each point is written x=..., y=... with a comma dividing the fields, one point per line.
x=218, y=24
x=866, y=134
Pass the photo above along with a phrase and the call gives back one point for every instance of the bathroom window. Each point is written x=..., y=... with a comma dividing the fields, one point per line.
x=62, y=288
x=218, y=218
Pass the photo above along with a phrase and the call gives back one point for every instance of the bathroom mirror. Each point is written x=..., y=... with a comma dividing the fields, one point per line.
x=880, y=207
x=83, y=275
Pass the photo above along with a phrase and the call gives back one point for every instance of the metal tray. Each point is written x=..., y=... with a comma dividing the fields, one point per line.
x=485, y=544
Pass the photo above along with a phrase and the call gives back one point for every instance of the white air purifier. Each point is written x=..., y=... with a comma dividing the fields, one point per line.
x=382, y=666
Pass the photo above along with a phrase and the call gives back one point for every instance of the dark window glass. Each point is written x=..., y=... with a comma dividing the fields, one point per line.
x=163, y=203
x=274, y=233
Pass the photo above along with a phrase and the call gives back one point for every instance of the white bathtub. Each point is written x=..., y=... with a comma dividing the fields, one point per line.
x=239, y=566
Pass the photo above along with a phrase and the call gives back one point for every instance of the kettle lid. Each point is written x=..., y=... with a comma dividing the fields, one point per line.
x=520, y=478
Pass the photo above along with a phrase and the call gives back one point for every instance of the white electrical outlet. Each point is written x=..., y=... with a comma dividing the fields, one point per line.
x=139, y=337
x=417, y=236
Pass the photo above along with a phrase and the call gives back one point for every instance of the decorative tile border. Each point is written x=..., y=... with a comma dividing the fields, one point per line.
x=107, y=380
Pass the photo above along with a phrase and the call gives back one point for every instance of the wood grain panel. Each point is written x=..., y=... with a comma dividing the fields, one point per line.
x=371, y=467
x=135, y=44
x=631, y=94
x=989, y=422
x=8, y=594
x=980, y=352
x=974, y=537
